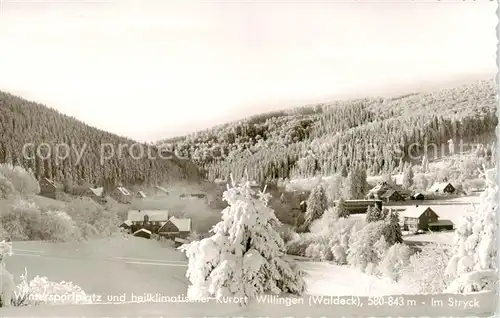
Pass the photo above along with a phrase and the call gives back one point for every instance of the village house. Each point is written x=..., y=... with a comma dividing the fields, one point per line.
x=95, y=194
x=392, y=196
x=418, y=218
x=158, y=190
x=417, y=196
x=140, y=195
x=442, y=187
x=176, y=228
x=377, y=191
x=126, y=225
x=48, y=188
x=121, y=195
x=151, y=220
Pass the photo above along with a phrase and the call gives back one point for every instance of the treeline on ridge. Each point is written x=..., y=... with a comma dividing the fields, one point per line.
x=324, y=139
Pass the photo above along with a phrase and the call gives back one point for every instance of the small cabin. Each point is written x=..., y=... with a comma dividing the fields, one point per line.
x=417, y=196
x=160, y=191
x=121, y=195
x=442, y=187
x=176, y=228
x=95, y=194
x=140, y=195
x=48, y=188
x=392, y=196
x=126, y=224
x=418, y=218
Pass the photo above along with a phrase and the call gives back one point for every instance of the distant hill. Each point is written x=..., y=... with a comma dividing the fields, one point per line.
x=323, y=139
x=25, y=122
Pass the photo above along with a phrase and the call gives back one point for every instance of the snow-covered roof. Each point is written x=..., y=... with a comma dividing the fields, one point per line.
x=184, y=225
x=388, y=193
x=127, y=222
x=143, y=230
x=439, y=186
x=49, y=181
x=154, y=215
x=97, y=191
x=161, y=189
x=123, y=190
x=415, y=211
x=141, y=194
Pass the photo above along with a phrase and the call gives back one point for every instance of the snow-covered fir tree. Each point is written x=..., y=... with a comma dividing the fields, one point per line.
x=316, y=205
x=425, y=164
x=245, y=256
x=408, y=176
x=473, y=264
x=356, y=185
x=374, y=214
x=392, y=231
x=342, y=211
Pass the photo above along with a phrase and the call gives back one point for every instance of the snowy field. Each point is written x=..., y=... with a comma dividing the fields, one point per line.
x=124, y=265
x=335, y=280
x=447, y=238
x=134, y=266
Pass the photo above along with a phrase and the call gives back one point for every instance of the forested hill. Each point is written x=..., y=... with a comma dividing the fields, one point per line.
x=328, y=138
x=24, y=122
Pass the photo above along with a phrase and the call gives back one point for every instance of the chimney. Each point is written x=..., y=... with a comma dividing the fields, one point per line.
x=416, y=205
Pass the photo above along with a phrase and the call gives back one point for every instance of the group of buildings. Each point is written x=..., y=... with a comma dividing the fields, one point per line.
x=50, y=189
x=413, y=218
x=393, y=193
x=141, y=223
x=145, y=223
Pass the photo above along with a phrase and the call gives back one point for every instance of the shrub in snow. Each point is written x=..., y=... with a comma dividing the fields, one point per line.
x=85, y=210
x=6, y=187
x=245, y=256
x=394, y=260
x=41, y=291
x=23, y=220
x=299, y=244
x=476, y=242
x=6, y=280
x=325, y=223
x=22, y=180
x=340, y=234
x=58, y=226
x=319, y=251
x=473, y=282
x=361, y=253
x=425, y=272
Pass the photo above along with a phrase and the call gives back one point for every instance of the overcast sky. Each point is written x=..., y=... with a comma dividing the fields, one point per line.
x=152, y=69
